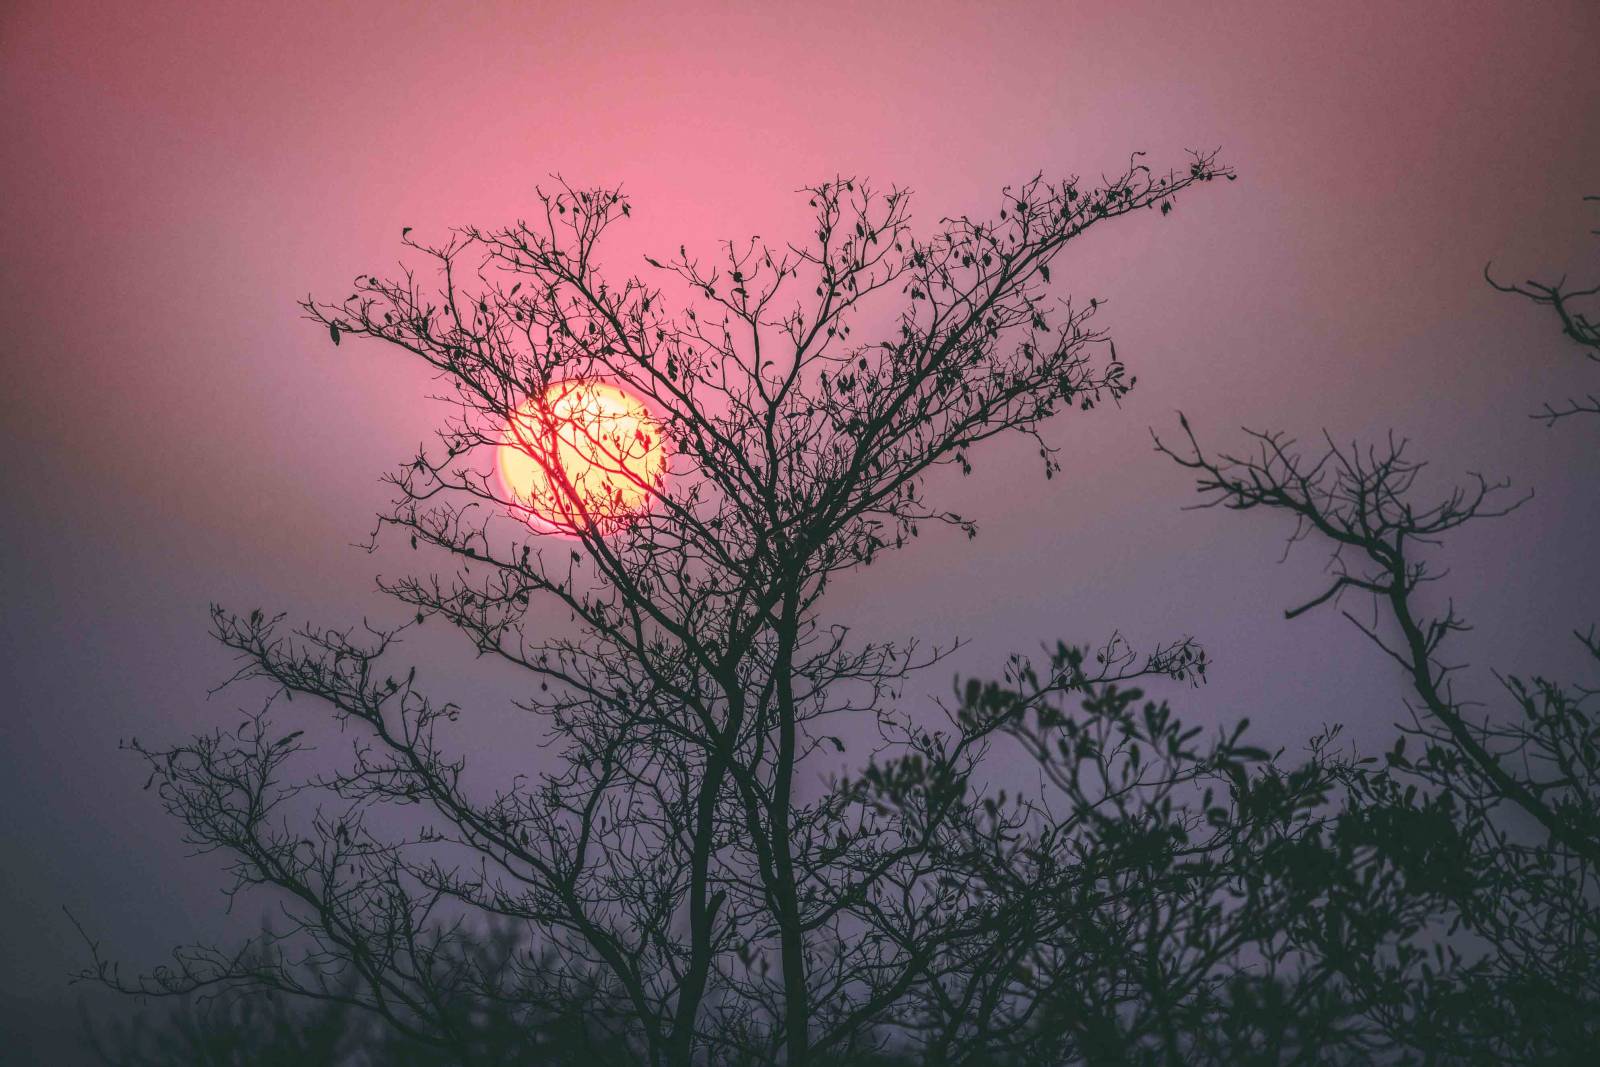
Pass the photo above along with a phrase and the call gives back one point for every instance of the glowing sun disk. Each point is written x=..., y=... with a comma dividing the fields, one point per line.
x=586, y=454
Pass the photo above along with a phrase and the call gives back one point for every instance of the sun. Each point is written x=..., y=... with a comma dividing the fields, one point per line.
x=584, y=455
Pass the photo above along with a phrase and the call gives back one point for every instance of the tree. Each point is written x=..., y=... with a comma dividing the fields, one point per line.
x=671, y=883
x=268, y=1028
x=1569, y=305
x=1144, y=918
x=1490, y=834
x=1123, y=916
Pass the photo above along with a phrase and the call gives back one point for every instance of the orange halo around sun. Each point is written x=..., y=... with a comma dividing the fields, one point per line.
x=585, y=455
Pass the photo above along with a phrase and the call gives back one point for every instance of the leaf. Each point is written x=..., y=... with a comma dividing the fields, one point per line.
x=333, y=331
x=404, y=230
x=1044, y=272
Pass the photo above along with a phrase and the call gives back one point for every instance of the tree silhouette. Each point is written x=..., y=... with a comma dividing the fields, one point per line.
x=680, y=889
x=670, y=883
x=266, y=1027
x=1486, y=842
x=1569, y=305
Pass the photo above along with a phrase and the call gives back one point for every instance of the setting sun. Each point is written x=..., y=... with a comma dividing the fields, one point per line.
x=585, y=454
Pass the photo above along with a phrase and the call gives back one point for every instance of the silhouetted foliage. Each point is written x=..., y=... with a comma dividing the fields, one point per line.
x=678, y=891
x=1457, y=897
x=254, y=1027
x=666, y=882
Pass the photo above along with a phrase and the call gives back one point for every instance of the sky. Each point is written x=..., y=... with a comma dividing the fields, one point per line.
x=175, y=177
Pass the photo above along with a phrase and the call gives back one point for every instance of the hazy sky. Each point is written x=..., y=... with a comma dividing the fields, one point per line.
x=174, y=177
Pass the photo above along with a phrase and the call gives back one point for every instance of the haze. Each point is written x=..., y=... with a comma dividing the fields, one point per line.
x=174, y=177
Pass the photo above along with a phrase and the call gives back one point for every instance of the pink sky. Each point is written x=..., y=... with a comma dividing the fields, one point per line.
x=176, y=176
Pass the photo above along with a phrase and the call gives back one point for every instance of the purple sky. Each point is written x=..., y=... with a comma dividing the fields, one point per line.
x=174, y=177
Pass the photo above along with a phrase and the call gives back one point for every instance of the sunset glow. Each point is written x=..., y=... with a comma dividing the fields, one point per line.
x=585, y=454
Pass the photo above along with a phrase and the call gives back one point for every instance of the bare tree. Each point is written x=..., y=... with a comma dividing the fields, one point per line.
x=1493, y=827
x=670, y=876
x=1569, y=306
